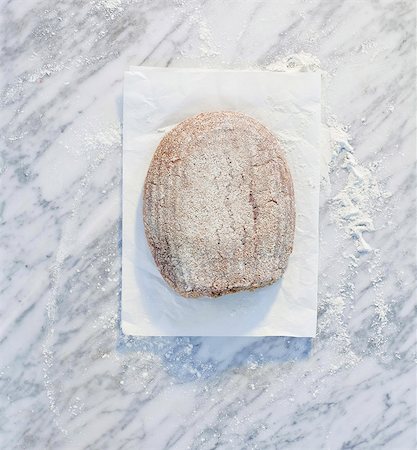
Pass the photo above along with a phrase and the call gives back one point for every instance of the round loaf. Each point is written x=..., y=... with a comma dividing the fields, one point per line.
x=219, y=210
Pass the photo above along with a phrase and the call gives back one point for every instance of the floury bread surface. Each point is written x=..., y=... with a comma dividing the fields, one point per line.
x=219, y=209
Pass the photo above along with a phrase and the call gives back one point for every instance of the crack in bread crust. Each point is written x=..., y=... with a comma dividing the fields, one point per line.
x=219, y=208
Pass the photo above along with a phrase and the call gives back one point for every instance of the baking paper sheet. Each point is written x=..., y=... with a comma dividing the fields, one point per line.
x=155, y=100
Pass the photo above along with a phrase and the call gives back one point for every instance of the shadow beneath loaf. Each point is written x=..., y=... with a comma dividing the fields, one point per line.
x=190, y=358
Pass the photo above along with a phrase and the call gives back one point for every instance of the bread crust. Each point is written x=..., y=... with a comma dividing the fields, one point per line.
x=218, y=206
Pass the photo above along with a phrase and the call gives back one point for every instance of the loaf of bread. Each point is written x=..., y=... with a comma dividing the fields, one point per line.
x=219, y=209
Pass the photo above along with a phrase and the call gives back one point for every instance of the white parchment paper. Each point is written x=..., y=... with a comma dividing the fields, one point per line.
x=155, y=100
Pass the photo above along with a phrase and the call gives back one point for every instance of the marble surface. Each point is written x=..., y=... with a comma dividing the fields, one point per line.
x=68, y=378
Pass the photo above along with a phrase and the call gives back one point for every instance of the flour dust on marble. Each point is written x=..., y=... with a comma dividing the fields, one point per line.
x=354, y=206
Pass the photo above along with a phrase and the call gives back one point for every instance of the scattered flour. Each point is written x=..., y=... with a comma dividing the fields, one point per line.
x=191, y=9
x=299, y=62
x=353, y=207
x=109, y=4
